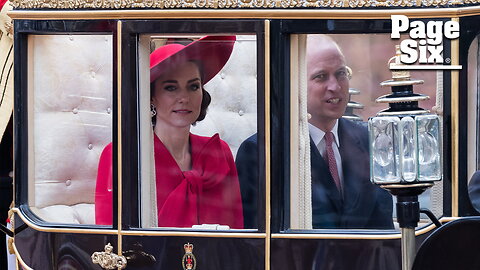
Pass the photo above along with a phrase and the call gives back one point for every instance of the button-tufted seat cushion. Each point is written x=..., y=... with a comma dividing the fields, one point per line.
x=72, y=119
x=233, y=111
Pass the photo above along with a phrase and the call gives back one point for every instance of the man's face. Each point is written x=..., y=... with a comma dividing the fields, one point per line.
x=327, y=85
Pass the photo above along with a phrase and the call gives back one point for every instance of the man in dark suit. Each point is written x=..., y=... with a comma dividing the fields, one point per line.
x=474, y=190
x=342, y=194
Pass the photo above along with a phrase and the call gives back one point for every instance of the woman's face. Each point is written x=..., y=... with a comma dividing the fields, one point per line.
x=177, y=96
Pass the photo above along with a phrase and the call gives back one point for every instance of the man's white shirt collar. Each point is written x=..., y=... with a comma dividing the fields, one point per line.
x=317, y=134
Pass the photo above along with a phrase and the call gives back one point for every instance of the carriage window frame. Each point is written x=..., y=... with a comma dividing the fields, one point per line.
x=133, y=61
x=281, y=199
x=473, y=153
x=23, y=105
x=468, y=122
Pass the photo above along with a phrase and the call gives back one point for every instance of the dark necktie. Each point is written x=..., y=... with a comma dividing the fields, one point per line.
x=332, y=163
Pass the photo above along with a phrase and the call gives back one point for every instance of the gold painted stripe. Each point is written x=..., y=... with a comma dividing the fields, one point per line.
x=19, y=258
x=119, y=134
x=195, y=234
x=455, y=125
x=140, y=233
x=225, y=235
x=61, y=230
x=396, y=235
x=432, y=226
x=244, y=13
x=267, y=145
x=13, y=202
x=448, y=219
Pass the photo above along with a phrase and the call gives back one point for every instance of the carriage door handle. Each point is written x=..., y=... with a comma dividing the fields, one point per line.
x=138, y=258
x=108, y=260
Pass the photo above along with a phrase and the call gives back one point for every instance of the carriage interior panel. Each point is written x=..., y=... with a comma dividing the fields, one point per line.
x=71, y=97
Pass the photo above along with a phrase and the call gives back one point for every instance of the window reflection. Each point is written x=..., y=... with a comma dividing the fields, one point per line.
x=202, y=105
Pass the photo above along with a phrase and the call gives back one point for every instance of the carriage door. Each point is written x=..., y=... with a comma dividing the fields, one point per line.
x=469, y=112
x=65, y=114
x=95, y=181
x=205, y=216
x=317, y=223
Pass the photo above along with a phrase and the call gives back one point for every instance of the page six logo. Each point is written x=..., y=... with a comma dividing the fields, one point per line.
x=424, y=48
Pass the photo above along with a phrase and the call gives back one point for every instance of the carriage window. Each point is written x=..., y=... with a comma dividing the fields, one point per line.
x=70, y=86
x=197, y=106
x=335, y=80
x=473, y=126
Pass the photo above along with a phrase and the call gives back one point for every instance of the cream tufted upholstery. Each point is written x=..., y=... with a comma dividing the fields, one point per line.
x=71, y=82
x=233, y=111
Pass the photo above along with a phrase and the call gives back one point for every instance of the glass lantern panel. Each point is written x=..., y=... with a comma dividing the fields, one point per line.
x=407, y=149
x=384, y=150
x=429, y=157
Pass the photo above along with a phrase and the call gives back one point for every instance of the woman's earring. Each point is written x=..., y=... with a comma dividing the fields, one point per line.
x=153, y=110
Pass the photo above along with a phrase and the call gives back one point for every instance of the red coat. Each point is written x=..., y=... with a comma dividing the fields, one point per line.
x=2, y=2
x=209, y=193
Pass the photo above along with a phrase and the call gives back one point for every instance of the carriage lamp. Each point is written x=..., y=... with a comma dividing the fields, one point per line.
x=405, y=151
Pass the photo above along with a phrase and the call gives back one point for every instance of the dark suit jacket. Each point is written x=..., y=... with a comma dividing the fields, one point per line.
x=365, y=206
x=474, y=190
x=247, y=168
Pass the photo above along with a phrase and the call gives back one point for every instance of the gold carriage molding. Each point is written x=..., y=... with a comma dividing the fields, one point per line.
x=230, y=4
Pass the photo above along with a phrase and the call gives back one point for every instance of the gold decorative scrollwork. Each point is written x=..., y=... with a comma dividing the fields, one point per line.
x=201, y=3
x=188, y=3
x=117, y=4
x=10, y=248
x=315, y=3
x=108, y=260
x=9, y=27
x=246, y=3
x=351, y=3
x=226, y=4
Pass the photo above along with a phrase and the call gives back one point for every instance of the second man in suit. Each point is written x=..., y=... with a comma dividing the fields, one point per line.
x=342, y=194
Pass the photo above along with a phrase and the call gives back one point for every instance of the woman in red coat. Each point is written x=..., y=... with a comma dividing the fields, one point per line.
x=196, y=177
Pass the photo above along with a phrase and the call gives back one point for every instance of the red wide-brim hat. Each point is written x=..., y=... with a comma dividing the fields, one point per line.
x=212, y=52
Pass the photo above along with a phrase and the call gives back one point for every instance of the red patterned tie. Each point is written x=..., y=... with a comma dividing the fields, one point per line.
x=332, y=163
